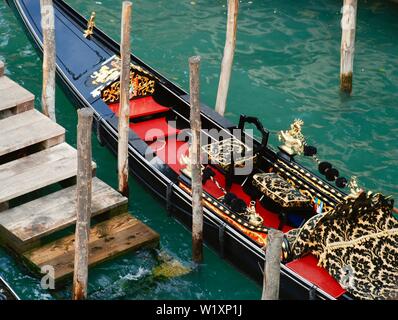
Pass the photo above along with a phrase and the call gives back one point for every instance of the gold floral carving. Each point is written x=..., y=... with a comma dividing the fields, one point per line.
x=141, y=86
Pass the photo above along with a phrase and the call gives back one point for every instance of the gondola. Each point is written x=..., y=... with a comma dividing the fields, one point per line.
x=239, y=209
x=6, y=292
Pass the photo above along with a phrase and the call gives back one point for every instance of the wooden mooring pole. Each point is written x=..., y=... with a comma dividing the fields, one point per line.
x=272, y=268
x=228, y=58
x=124, y=110
x=48, y=28
x=348, y=26
x=1, y=68
x=83, y=206
x=196, y=178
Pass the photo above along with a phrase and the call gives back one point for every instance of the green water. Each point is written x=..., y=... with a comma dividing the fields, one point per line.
x=286, y=66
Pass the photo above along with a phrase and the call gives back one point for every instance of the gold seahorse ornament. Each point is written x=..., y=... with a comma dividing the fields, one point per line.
x=90, y=26
x=293, y=139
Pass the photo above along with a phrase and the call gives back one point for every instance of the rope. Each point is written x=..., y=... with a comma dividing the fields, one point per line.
x=345, y=244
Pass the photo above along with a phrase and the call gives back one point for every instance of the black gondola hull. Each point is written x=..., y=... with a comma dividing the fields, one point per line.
x=6, y=292
x=232, y=245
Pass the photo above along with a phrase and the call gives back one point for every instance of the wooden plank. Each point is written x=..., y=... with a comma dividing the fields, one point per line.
x=23, y=226
x=1, y=68
x=37, y=171
x=13, y=98
x=27, y=129
x=107, y=239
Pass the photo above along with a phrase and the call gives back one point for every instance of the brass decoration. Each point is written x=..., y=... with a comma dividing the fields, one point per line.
x=141, y=86
x=112, y=93
x=90, y=26
x=142, y=83
x=109, y=72
x=117, y=63
x=104, y=75
x=221, y=152
x=254, y=218
x=354, y=186
x=293, y=139
x=106, y=80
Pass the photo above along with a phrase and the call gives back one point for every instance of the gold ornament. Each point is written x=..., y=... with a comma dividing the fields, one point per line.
x=90, y=26
x=354, y=186
x=293, y=140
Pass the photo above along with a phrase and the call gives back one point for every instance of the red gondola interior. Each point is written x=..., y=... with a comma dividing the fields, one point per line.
x=148, y=119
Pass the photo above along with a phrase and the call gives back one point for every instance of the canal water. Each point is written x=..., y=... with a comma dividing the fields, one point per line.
x=286, y=67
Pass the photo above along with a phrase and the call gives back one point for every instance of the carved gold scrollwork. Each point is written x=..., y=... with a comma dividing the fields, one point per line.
x=106, y=78
x=112, y=93
x=104, y=75
x=142, y=86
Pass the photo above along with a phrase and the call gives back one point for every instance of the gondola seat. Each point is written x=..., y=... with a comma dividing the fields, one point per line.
x=280, y=191
x=307, y=268
x=154, y=129
x=141, y=107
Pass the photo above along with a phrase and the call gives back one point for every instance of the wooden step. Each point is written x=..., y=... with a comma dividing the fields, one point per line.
x=38, y=170
x=22, y=227
x=107, y=240
x=27, y=129
x=1, y=68
x=13, y=98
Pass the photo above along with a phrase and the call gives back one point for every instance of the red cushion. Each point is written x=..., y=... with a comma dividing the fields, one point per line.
x=153, y=129
x=170, y=151
x=141, y=107
x=308, y=269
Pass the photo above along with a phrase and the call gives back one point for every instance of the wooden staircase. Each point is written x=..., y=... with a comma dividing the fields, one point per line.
x=17, y=133
x=34, y=160
x=14, y=98
x=108, y=239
